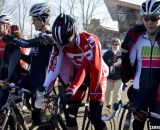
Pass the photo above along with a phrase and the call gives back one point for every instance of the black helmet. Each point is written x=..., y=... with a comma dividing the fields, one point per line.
x=63, y=28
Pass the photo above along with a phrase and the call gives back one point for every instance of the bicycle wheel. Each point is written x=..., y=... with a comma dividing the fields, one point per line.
x=111, y=123
x=86, y=123
x=8, y=121
x=89, y=125
x=126, y=120
x=3, y=119
x=55, y=122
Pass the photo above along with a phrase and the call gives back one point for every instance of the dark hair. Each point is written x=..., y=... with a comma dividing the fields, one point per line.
x=116, y=40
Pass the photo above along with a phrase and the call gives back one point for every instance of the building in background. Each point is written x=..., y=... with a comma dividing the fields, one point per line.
x=104, y=32
x=126, y=12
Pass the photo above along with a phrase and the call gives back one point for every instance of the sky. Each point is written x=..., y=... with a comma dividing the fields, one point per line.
x=101, y=12
x=137, y=1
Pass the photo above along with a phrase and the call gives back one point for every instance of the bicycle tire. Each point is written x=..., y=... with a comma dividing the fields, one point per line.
x=3, y=120
x=55, y=122
x=19, y=118
x=89, y=125
x=125, y=116
x=86, y=124
x=111, y=123
x=61, y=122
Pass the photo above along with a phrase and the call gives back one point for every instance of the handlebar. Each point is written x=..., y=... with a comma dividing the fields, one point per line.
x=120, y=105
x=5, y=85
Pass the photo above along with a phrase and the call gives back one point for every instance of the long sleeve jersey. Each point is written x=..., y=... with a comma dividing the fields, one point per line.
x=41, y=47
x=86, y=58
x=141, y=61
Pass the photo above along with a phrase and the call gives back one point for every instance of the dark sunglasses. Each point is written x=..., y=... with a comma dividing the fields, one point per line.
x=151, y=18
x=34, y=19
x=114, y=44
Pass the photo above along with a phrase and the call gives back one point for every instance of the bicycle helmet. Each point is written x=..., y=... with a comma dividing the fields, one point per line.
x=150, y=7
x=63, y=28
x=41, y=11
x=5, y=19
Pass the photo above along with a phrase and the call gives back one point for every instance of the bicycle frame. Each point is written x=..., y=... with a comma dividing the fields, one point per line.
x=120, y=105
x=11, y=107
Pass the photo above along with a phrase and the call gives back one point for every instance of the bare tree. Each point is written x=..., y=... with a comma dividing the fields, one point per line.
x=22, y=12
x=83, y=10
x=88, y=8
x=4, y=4
x=72, y=4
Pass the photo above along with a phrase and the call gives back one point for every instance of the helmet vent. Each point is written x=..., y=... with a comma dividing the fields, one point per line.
x=155, y=6
x=149, y=3
x=144, y=7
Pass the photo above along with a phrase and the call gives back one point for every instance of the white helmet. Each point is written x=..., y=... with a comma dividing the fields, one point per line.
x=5, y=19
x=40, y=9
x=150, y=7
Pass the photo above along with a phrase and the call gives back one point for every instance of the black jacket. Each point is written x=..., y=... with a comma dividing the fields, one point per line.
x=41, y=48
x=10, y=67
x=110, y=59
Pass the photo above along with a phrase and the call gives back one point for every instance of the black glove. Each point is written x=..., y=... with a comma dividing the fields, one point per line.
x=66, y=97
x=41, y=89
x=7, y=38
x=66, y=94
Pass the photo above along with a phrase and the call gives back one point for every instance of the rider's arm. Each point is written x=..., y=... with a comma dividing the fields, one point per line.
x=93, y=67
x=54, y=67
x=80, y=76
x=43, y=40
x=133, y=54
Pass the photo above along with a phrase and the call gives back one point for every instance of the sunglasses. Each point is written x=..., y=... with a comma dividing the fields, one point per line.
x=151, y=18
x=114, y=44
x=34, y=19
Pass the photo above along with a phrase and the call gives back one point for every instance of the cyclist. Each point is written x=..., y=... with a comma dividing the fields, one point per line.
x=39, y=56
x=9, y=69
x=141, y=58
x=5, y=24
x=82, y=53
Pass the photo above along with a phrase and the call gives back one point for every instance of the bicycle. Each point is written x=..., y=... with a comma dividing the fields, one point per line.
x=86, y=122
x=12, y=108
x=140, y=114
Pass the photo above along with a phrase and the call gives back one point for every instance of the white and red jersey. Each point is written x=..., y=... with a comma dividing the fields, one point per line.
x=86, y=58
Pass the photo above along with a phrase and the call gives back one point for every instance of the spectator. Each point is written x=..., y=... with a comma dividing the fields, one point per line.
x=114, y=83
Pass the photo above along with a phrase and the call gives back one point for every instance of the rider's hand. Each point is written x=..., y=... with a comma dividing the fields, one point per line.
x=68, y=93
x=66, y=96
x=40, y=97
